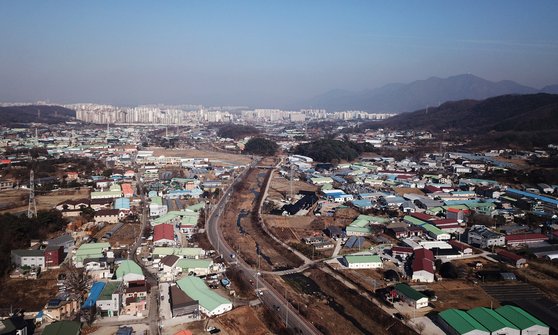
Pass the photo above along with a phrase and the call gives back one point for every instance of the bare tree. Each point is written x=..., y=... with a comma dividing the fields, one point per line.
x=420, y=327
x=77, y=283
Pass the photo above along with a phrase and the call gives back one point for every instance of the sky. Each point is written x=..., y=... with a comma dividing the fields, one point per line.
x=263, y=53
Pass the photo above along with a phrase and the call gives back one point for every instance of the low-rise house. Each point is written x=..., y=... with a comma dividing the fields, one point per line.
x=106, y=195
x=77, y=204
x=135, y=300
x=14, y=325
x=90, y=252
x=362, y=225
x=108, y=302
x=335, y=232
x=319, y=242
x=59, y=309
x=458, y=322
x=168, y=264
x=198, y=267
x=156, y=207
x=128, y=271
x=484, y=237
x=363, y=261
x=411, y=296
x=6, y=184
x=511, y=258
x=99, y=204
x=522, y=239
x=107, y=215
x=182, y=304
x=493, y=321
x=402, y=252
x=160, y=252
x=321, y=180
x=54, y=255
x=163, y=235
x=423, y=266
x=66, y=241
x=527, y=323
x=210, y=302
x=30, y=258
x=463, y=248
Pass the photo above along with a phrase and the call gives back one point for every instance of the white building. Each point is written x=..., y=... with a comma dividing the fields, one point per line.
x=363, y=261
x=31, y=258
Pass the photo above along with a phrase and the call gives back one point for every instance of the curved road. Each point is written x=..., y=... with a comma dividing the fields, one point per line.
x=270, y=297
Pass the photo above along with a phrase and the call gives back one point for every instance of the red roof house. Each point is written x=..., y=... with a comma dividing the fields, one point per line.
x=423, y=266
x=163, y=234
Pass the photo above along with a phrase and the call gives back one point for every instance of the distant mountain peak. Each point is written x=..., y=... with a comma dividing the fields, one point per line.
x=397, y=98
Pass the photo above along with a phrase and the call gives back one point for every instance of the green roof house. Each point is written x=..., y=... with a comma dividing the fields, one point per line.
x=412, y=296
x=200, y=267
x=527, y=323
x=129, y=271
x=458, y=322
x=211, y=303
x=493, y=321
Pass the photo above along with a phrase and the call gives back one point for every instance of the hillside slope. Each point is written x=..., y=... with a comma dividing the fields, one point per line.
x=14, y=115
x=519, y=120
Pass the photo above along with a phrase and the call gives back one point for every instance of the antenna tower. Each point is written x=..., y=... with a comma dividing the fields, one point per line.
x=291, y=182
x=32, y=209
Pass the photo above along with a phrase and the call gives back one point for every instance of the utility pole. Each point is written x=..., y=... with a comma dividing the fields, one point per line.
x=32, y=208
x=286, y=310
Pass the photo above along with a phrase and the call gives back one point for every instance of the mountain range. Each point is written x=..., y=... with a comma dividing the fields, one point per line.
x=522, y=120
x=398, y=98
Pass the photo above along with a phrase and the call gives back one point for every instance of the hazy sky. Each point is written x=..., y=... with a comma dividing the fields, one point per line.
x=263, y=53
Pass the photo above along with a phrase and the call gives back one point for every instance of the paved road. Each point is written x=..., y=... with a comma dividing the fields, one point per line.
x=152, y=280
x=271, y=298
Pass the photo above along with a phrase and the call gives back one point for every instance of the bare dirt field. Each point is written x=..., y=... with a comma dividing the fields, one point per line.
x=242, y=230
x=226, y=158
x=196, y=327
x=126, y=235
x=28, y=294
x=240, y=321
x=344, y=216
x=459, y=294
x=371, y=279
x=335, y=309
x=543, y=276
x=280, y=187
x=294, y=222
x=19, y=199
x=408, y=190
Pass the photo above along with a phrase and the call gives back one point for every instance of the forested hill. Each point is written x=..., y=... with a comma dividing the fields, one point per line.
x=14, y=115
x=503, y=113
x=532, y=115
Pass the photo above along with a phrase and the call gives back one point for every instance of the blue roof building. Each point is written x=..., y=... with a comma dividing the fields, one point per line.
x=122, y=203
x=94, y=294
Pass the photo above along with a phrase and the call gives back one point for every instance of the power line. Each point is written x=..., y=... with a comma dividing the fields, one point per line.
x=32, y=208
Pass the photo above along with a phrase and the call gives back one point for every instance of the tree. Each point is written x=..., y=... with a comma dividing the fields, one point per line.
x=87, y=213
x=448, y=270
x=260, y=146
x=420, y=327
x=236, y=131
x=107, y=173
